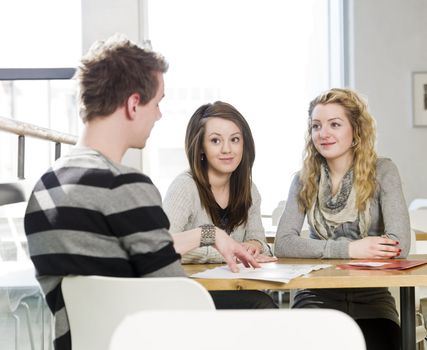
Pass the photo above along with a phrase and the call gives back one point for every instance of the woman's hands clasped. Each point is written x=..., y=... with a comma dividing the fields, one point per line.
x=379, y=247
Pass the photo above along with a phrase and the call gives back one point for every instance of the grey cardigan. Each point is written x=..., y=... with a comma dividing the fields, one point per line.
x=388, y=211
x=185, y=212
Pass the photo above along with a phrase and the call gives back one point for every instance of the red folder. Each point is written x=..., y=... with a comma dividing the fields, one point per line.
x=381, y=264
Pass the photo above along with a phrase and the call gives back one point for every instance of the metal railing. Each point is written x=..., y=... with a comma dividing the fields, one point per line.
x=26, y=129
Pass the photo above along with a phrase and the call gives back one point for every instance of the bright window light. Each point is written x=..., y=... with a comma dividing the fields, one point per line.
x=267, y=58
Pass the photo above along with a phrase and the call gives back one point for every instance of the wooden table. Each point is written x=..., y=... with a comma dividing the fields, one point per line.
x=406, y=280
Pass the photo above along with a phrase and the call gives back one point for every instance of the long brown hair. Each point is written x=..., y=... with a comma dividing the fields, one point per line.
x=240, y=199
x=365, y=157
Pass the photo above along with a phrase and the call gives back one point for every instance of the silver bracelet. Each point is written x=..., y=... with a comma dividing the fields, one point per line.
x=207, y=236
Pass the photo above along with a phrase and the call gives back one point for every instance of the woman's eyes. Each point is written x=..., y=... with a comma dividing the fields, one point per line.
x=217, y=141
x=318, y=126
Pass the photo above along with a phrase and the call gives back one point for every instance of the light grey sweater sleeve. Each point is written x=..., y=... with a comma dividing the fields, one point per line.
x=183, y=208
x=185, y=212
x=289, y=243
x=178, y=204
x=393, y=205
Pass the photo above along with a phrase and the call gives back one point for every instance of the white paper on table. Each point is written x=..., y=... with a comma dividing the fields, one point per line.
x=268, y=272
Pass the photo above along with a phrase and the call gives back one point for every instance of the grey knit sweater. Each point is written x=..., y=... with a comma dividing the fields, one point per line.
x=388, y=211
x=184, y=210
x=388, y=214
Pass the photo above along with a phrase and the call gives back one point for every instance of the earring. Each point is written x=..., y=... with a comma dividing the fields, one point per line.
x=202, y=157
x=354, y=144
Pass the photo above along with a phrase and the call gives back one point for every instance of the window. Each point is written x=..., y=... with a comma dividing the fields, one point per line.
x=267, y=58
x=40, y=33
x=37, y=34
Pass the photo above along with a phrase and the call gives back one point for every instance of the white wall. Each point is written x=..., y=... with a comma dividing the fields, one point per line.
x=389, y=43
x=103, y=18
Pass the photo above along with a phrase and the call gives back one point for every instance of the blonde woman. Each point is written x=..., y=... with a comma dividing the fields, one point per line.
x=355, y=208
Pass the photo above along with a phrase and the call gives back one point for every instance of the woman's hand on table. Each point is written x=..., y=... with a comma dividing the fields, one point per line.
x=253, y=247
x=233, y=251
x=374, y=248
x=265, y=258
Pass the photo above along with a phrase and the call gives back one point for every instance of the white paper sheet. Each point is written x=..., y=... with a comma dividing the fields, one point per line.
x=268, y=272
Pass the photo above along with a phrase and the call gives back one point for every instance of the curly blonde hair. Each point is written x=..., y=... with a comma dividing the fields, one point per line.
x=365, y=157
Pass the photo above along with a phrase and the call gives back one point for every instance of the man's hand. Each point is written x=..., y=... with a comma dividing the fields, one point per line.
x=374, y=248
x=233, y=251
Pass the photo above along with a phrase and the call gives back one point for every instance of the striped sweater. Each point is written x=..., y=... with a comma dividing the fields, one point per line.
x=90, y=216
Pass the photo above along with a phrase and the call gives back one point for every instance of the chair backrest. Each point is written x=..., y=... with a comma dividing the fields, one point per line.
x=296, y=329
x=277, y=213
x=418, y=203
x=418, y=219
x=96, y=305
x=12, y=208
x=12, y=192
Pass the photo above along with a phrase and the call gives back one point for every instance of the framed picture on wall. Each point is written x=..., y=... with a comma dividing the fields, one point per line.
x=419, y=96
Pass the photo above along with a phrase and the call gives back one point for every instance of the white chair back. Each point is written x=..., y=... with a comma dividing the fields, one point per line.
x=12, y=209
x=17, y=283
x=277, y=213
x=418, y=203
x=96, y=305
x=239, y=329
x=418, y=219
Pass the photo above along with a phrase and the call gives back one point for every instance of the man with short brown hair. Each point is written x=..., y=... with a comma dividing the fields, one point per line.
x=91, y=215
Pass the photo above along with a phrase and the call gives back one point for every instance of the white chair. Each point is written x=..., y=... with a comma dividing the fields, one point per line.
x=13, y=273
x=418, y=203
x=418, y=219
x=277, y=213
x=17, y=284
x=12, y=192
x=239, y=329
x=6, y=309
x=12, y=204
x=96, y=305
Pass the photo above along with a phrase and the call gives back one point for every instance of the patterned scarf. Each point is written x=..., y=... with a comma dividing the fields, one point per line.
x=330, y=211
